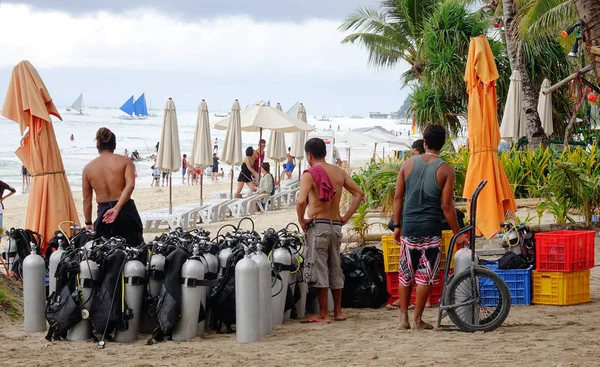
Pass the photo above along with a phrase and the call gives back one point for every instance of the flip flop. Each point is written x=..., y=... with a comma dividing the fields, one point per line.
x=392, y=306
x=310, y=320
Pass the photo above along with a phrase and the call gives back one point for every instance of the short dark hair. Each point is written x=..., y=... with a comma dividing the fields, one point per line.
x=106, y=140
x=434, y=136
x=185, y=156
x=418, y=145
x=316, y=147
x=249, y=152
x=262, y=141
x=266, y=166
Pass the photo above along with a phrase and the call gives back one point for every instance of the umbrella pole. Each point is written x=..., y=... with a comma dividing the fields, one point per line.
x=201, y=182
x=231, y=188
x=170, y=193
x=259, y=170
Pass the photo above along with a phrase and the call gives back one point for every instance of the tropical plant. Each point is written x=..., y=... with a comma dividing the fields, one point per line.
x=359, y=223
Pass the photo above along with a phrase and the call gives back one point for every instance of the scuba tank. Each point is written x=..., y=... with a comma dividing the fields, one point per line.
x=34, y=292
x=211, y=267
x=223, y=256
x=463, y=262
x=192, y=295
x=134, y=278
x=89, y=272
x=53, y=263
x=282, y=260
x=247, y=313
x=156, y=274
x=264, y=291
x=9, y=254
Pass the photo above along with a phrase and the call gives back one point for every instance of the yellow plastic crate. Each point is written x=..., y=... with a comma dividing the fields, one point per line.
x=561, y=288
x=391, y=252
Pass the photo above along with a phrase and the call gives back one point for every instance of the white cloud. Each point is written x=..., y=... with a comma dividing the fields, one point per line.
x=149, y=40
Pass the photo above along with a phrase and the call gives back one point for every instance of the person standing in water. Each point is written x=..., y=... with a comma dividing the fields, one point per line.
x=111, y=177
x=72, y=137
x=184, y=167
x=424, y=191
x=320, y=192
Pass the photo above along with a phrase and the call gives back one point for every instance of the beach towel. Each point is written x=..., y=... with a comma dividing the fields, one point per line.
x=323, y=182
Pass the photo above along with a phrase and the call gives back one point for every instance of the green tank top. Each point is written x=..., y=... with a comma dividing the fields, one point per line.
x=422, y=200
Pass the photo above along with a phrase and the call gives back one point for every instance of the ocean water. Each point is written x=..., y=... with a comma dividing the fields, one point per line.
x=142, y=135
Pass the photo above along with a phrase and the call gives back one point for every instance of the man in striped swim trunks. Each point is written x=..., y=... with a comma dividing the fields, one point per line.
x=424, y=191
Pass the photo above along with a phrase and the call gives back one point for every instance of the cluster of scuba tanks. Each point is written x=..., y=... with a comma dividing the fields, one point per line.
x=175, y=287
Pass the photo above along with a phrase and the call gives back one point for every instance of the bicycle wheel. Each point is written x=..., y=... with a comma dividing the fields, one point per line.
x=485, y=297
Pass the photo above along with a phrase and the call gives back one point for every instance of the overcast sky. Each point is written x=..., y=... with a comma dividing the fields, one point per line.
x=193, y=49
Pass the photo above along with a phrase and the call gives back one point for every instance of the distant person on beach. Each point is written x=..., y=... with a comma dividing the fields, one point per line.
x=336, y=156
x=198, y=176
x=247, y=173
x=222, y=173
x=157, y=144
x=126, y=153
x=11, y=191
x=215, y=167
x=135, y=155
x=321, y=191
x=216, y=146
x=259, y=158
x=290, y=164
x=72, y=137
x=190, y=175
x=424, y=191
x=184, y=167
x=25, y=177
x=111, y=177
x=417, y=147
x=267, y=184
x=165, y=178
x=155, y=175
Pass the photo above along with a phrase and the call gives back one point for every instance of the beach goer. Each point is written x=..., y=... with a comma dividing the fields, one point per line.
x=111, y=177
x=222, y=173
x=336, y=157
x=247, y=173
x=290, y=164
x=198, y=176
x=260, y=157
x=424, y=191
x=267, y=186
x=417, y=147
x=25, y=177
x=216, y=146
x=135, y=155
x=155, y=175
x=184, y=167
x=157, y=144
x=320, y=191
x=11, y=191
x=215, y=167
x=165, y=176
x=72, y=137
x=126, y=153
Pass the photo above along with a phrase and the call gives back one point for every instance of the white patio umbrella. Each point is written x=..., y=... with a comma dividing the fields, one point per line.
x=277, y=148
x=262, y=116
x=169, y=154
x=201, y=156
x=544, y=108
x=299, y=139
x=512, y=127
x=232, y=147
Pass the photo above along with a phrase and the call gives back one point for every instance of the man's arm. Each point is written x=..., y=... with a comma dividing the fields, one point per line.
x=398, y=203
x=305, y=185
x=448, y=199
x=129, y=186
x=357, y=197
x=86, y=188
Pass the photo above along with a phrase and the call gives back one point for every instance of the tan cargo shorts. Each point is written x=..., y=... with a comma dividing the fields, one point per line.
x=322, y=266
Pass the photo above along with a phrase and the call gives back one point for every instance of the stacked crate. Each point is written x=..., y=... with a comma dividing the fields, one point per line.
x=563, y=260
x=391, y=256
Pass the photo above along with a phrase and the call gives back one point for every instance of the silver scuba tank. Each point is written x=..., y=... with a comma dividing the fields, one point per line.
x=247, y=313
x=264, y=291
x=34, y=292
x=211, y=265
x=192, y=272
x=282, y=259
x=301, y=304
x=463, y=262
x=53, y=264
x=223, y=256
x=314, y=307
x=89, y=272
x=156, y=274
x=134, y=273
x=9, y=254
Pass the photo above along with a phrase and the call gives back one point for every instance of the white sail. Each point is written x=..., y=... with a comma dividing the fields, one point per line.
x=78, y=104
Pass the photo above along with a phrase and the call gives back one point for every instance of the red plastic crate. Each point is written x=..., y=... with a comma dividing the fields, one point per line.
x=564, y=250
x=392, y=288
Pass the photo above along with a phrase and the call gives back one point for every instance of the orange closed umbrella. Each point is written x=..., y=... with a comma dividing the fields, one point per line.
x=496, y=200
x=29, y=104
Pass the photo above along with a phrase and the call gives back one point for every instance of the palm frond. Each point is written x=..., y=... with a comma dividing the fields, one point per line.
x=546, y=17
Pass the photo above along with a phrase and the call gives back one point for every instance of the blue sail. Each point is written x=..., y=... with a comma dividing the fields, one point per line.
x=139, y=107
x=127, y=107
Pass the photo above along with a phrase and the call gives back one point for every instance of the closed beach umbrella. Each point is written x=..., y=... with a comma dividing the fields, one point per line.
x=232, y=147
x=299, y=139
x=496, y=199
x=544, y=108
x=277, y=148
x=169, y=154
x=513, y=120
x=201, y=157
x=28, y=103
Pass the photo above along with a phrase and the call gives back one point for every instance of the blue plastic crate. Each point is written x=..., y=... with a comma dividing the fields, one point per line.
x=518, y=282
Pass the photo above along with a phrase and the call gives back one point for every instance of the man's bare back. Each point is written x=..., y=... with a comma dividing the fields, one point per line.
x=326, y=209
x=106, y=175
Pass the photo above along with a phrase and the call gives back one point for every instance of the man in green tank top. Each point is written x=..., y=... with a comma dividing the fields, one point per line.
x=424, y=191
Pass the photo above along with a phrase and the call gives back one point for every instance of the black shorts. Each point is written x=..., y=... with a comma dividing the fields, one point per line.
x=164, y=175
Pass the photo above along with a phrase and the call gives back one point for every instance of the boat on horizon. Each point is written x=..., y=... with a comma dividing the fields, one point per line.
x=378, y=115
x=221, y=114
x=356, y=117
x=77, y=106
x=324, y=118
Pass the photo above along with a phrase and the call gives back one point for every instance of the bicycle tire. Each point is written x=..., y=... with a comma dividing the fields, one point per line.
x=499, y=315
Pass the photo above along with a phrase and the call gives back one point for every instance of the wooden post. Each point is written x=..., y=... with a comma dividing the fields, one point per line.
x=567, y=79
x=374, y=151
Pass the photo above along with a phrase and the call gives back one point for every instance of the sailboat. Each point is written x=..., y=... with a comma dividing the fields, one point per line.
x=77, y=106
x=294, y=110
x=127, y=107
x=140, y=109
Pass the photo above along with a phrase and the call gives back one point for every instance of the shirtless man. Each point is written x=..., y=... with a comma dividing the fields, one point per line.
x=324, y=228
x=111, y=177
x=424, y=191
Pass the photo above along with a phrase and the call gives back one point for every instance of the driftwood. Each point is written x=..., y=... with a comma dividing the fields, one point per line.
x=568, y=79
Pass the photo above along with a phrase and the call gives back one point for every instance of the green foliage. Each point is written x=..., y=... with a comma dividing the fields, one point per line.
x=359, y=223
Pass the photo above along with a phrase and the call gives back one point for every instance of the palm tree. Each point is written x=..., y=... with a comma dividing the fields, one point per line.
x=392, y=33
